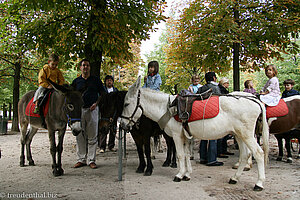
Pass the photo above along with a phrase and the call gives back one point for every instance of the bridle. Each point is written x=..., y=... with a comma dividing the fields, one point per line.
x=70, y=120
x=111, y=120
x=138, y=106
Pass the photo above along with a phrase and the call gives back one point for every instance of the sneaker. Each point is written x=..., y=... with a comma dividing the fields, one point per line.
x=102, y=150
x=36, y=110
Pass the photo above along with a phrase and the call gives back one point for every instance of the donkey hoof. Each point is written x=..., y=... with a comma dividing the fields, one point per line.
x=31, y=163
x=231, y=181
x=174, y=165
x=185, y=178
x=22, y=164
x=279, y=159
x=166, y=164
x=192, y=158
x=139, y=171
x=176, y=179
x=246, y=169
x=257, y=188
x=148, y=173
x=289, y=160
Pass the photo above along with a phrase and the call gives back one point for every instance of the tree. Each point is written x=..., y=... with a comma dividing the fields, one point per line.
x=90, y=29
x=214, y=34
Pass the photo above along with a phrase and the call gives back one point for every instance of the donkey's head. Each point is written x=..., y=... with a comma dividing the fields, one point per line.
x=72, y=106
x=132, y=110
x=111, y=107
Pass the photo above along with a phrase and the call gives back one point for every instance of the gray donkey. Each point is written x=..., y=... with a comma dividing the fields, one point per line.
x=64, y=108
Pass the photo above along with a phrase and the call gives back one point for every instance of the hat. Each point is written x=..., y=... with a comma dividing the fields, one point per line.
x=108, y=77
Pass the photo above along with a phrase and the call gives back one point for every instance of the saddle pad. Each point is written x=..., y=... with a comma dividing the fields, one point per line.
x=277, y=111
x=210, y=105
x=30, y=108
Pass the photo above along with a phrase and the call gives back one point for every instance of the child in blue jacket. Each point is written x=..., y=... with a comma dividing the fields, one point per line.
x=153, y=79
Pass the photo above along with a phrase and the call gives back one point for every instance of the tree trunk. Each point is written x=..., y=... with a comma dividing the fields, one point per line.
x=16, y=95
x=94, y=55
x=236, y=55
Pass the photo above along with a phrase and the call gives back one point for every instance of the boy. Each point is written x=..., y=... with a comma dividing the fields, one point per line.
x=49, y=71
x=289, y=91
x=109, y=87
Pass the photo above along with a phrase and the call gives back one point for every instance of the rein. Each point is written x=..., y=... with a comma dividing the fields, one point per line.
x=138, y=105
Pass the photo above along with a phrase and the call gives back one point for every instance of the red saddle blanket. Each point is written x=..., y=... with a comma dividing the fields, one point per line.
x=277, y=111
x=210, y=107
x=30, y=108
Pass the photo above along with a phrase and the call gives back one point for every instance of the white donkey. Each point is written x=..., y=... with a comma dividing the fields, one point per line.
x=238, y=114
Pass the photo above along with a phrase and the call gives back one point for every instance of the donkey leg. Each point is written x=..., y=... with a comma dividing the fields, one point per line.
x=178, y=140
x=23, y=141
x=147, y=147
x=51, y=134
x=279, y=141
x=258, y=154
x=61, y=135
x=189, y=168
x=174, y=158
x=169, y=151
x=139, y=147
x=243, y=158
x=288, y=149
x=32, y=131
x=191, y=148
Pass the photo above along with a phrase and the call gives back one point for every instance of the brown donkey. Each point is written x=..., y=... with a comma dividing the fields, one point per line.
x=64, y=108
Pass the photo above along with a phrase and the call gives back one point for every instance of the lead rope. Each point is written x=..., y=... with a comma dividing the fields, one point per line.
x=204, y=112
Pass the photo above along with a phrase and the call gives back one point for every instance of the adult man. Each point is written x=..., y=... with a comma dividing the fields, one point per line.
x=208, y=154
x=87, y=139
x=109, y=87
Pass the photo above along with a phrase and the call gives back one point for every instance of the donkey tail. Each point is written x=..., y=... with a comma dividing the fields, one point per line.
x=265, y=135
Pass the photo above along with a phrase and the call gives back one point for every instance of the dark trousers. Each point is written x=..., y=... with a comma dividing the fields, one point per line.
x=208, y=152
x=111, y=139
x=222, y=145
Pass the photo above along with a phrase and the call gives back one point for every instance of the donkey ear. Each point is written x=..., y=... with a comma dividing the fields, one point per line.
x=59, y=88
x=137, y=84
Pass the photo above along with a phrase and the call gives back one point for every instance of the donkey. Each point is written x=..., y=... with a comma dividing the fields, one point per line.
x=238, y=113
x=111, y=107
x=64, y=108
x=287, y=136
x=287, y=126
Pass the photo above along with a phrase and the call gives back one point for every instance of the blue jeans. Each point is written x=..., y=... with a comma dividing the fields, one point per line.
x=209, y=152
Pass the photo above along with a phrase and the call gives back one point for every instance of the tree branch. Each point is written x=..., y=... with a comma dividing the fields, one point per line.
x=2, y=58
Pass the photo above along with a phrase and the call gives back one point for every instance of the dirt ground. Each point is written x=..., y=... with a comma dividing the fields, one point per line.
x=37, y=182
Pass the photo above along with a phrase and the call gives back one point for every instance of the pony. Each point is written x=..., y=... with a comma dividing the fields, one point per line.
x=285, y=126
x=287, y=136
x=64, y=108
x=238, y=113
x=111, y=107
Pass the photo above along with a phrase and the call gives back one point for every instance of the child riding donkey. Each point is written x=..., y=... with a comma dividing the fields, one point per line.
x=49, y=71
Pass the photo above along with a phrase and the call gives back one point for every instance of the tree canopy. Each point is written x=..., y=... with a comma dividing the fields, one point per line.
x=205, y=33
x=85, y=28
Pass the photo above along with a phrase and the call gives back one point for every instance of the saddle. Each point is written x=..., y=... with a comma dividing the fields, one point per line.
x=43, y=107
x=184, y=102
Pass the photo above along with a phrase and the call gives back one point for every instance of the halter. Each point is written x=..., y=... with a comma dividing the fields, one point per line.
x=70, y=119
x=138, y=105
x=110, y=120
